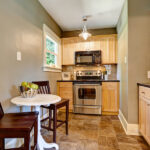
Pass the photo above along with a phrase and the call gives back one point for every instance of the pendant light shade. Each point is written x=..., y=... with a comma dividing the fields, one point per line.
x=85, y=34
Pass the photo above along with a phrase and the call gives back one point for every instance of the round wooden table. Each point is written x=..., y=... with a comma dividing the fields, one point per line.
x=37, y=101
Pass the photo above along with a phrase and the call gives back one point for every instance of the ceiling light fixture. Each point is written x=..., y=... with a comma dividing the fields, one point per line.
x=85, y=34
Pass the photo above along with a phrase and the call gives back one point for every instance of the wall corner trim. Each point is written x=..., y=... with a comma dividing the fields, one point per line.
x=130, y=129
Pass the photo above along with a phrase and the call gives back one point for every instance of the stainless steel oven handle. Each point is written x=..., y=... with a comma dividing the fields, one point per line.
x=87, y=84
x=87, y=106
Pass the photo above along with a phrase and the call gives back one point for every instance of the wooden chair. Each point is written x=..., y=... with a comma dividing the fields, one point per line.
x=44, y=88
x=18, y=125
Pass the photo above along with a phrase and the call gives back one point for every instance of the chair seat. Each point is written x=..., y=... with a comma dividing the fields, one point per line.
x=18, y=121
x=59, y=104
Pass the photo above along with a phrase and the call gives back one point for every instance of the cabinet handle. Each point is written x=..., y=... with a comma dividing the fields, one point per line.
x=143, y=92
x=148, y=104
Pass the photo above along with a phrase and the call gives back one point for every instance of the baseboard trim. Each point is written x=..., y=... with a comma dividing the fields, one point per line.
x=19, y=142
x=130, y=129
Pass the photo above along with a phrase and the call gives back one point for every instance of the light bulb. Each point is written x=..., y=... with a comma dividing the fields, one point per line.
x=85, y=35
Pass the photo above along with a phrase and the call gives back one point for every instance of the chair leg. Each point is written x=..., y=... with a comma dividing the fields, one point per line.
x=54, y=124
x=2, y=144
x=35, y=133
x=27, y=142
x=67, y=116
x=50, y=117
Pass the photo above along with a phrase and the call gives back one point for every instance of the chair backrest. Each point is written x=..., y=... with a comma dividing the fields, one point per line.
x=44, y=87
x=1, y=111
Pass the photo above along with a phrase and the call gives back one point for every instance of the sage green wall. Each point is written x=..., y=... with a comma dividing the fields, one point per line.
x=122, y=29
x=138, y=53
x=21, y=24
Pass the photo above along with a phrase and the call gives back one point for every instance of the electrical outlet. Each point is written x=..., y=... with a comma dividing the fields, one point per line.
x=18, y=56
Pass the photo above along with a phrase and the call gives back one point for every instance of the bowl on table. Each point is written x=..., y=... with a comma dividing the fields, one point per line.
x=27, y=92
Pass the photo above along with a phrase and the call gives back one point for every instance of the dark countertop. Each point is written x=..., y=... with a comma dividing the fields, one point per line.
x=109, y=80
x=144, y=84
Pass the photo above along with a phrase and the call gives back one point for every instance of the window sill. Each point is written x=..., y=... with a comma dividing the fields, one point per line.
x=49, y=69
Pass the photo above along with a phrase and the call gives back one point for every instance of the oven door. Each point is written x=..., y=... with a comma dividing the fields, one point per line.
x=87, y=94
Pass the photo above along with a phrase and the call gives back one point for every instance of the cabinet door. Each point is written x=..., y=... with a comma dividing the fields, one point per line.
x=142, y=116
x=83, y=45
x=104, y=47
x=112, y=50
x=65, y=90
x=95, y=43
x=108, y=46
x=148, y=121
x=110, y=97
x=69, y=46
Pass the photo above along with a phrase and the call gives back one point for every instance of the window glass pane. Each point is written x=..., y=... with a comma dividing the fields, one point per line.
x=50, y=59
x=50, y=45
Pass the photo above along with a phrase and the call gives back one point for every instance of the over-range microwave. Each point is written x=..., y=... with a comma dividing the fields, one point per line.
x=88, y=57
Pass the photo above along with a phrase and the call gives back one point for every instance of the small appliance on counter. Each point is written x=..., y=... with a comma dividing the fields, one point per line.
x=88, y=92
x=66, y=76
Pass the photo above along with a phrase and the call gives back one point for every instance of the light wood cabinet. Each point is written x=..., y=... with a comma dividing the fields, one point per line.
x=110, y=98
x=148, y=121
x=65, y=90
x=106, y=43
x=108, y=46
x=142, y=119
x=69, y=45
x=144, y=112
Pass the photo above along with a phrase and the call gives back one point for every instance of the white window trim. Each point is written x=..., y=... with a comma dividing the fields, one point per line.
x=53, y=36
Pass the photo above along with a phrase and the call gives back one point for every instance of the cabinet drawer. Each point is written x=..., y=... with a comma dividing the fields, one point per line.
x=109, y=85
x=144, y=92
x=65, y=84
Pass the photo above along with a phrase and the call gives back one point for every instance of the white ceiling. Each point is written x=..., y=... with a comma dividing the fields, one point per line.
x=68, y=13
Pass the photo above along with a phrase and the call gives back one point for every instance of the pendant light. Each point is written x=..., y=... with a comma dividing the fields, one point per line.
x=85, y=34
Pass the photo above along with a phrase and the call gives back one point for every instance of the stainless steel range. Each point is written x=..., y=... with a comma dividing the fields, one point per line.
x=87, y=92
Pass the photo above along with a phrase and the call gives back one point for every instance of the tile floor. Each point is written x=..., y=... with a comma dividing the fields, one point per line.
x=95, y=133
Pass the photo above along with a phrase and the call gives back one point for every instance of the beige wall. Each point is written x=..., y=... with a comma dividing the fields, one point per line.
x=21, y=24
x=139, y=52
x=122, y=29
x=76, y=33
x=133, y=42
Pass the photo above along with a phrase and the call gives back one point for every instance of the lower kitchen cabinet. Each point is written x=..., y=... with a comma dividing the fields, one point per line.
x=65, y=90
x=148, y=121
x=110, y=98
x=144, y=112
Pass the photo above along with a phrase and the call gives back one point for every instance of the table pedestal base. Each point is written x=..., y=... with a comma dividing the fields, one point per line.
x=41, y=142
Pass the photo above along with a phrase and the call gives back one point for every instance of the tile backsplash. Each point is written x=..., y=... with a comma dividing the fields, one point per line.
x=112, y=69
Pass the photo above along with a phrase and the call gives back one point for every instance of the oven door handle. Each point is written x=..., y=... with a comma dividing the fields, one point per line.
x=87, y=106
x=87, y=84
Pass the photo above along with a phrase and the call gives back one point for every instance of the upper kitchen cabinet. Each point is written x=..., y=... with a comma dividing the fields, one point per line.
x=108, y=46
x=69, y=45
x=106, y=43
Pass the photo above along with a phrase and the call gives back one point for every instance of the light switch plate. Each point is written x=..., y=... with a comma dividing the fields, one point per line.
x=148, y=74
x=18, y=56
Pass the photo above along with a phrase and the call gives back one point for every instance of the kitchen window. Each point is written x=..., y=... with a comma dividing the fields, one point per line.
x=52, y=51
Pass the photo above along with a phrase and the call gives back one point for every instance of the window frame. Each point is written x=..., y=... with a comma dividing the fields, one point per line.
x=47, y=32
